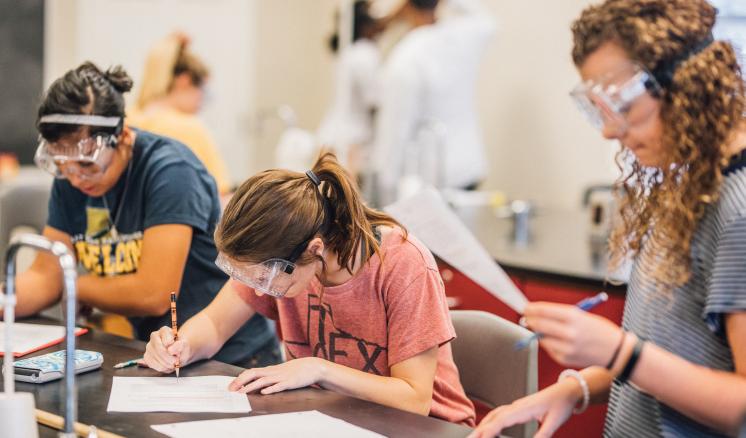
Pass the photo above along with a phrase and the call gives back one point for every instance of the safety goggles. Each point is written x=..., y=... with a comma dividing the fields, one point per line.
x=87, y=158
x=275, y=276
x=609, y=100
x=272, y=277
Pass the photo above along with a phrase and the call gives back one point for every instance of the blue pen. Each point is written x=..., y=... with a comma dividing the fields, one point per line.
x=585, y=305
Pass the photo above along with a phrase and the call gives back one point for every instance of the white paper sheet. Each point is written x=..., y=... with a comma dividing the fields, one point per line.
x=32, y=337
x=432, y=221
x=307, y=424
x=166, y=394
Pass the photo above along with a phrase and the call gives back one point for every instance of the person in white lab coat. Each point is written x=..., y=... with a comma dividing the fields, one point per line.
x=347, y=127
x=426, y=122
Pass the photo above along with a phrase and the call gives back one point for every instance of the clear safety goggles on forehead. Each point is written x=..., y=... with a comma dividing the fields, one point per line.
x=608, y=100
x=272, y=277
x=87, y=158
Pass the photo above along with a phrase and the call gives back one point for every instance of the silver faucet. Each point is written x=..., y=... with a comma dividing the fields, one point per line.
x=68, y=265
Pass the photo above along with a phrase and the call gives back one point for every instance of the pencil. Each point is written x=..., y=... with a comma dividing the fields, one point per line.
x=174, y=329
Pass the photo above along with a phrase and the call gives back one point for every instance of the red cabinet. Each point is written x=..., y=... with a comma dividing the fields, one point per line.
x=465, y=294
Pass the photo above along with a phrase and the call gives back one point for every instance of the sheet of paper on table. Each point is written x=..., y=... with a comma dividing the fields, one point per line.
x=308, y=424
x=430, y=219
x=28, y=338
x=166, y=394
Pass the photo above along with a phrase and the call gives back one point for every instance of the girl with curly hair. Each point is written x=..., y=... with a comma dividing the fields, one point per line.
x=654, y=79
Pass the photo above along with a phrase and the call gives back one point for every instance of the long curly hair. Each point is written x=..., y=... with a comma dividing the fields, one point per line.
x=702, y=103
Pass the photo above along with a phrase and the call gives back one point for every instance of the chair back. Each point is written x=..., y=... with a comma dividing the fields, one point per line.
x=492, y=371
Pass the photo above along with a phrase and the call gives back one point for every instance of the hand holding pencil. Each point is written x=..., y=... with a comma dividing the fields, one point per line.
x=571, y=335
x=167, y=350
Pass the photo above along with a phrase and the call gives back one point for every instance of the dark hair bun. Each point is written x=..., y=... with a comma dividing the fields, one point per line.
x=119, y=79
x=83, y=89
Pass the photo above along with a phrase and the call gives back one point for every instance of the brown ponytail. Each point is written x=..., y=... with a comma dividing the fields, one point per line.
x=276, y=210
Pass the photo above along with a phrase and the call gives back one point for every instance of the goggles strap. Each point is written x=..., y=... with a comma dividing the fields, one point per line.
x=115, y=122
x=664, y=71
x=82, y=119
x=328, y=211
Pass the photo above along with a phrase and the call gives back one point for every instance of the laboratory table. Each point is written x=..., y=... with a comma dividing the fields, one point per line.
x=94, y=389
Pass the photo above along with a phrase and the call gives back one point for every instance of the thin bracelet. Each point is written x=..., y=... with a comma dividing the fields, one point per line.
x=617, y=350
x=631, y=362
x=583, y=386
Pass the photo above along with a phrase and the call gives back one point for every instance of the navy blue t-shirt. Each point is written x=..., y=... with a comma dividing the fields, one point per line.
x=166, y=184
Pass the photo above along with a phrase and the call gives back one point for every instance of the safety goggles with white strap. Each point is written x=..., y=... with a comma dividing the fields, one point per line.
x=86, y=158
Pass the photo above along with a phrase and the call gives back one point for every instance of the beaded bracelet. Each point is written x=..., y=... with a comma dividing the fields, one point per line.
x=583, y=386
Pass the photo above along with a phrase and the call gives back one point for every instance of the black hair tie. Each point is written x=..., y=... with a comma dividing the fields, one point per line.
x=314, y=179
x=328, y=210
x=665, y=69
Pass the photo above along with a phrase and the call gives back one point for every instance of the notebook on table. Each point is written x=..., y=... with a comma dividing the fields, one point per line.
x=28, y=338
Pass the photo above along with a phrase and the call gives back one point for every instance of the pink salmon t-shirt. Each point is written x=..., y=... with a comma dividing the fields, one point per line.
x=379, y=318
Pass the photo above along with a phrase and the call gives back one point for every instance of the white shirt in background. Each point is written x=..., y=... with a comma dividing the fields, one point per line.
x=349, y=120
x=428, y=85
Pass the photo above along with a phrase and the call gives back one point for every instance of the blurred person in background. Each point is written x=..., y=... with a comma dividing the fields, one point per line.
x=427, y=113
x=171, y=94
x=347, y=127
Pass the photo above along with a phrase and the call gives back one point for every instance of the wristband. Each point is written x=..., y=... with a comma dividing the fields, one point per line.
x=631, y=362
x=583, y=386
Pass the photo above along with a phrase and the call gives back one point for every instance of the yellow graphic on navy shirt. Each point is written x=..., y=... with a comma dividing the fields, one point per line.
x=103, y=252
x=97, y=221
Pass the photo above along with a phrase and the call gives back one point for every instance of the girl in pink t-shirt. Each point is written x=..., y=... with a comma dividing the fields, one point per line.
x=361, y=304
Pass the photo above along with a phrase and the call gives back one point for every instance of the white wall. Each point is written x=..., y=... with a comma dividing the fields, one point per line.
x=270, y=52
x=540, y=146
x=293, y=67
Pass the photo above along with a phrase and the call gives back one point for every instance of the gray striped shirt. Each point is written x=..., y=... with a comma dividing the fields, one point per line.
x=688, y=322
